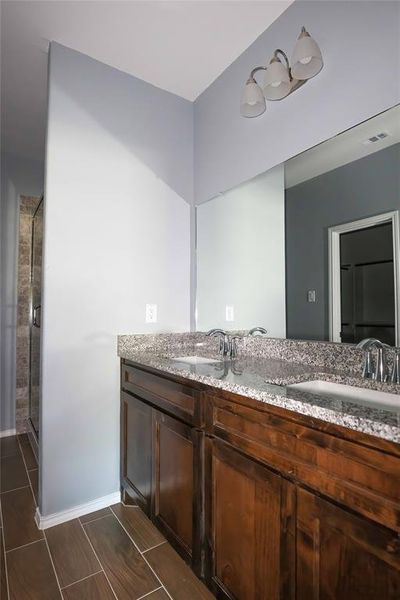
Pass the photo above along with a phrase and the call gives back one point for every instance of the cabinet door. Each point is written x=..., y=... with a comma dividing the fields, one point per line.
x=136, y=450
x=177, y=509
x=341, y=556
x=250, y=528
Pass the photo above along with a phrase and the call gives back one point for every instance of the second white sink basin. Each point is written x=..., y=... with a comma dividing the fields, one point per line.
x=196, y=360
x=339, y=391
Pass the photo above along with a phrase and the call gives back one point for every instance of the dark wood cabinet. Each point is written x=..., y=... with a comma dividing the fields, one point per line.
x=342, y=556
x=177, y=484
x=136, y=451
x=162, y=458
x=250, y=528
x=263, y=503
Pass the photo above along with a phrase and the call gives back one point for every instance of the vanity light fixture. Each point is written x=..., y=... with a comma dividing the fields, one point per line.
x=281, y=79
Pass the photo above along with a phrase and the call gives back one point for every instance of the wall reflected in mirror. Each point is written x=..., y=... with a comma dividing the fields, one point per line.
x=309, y=249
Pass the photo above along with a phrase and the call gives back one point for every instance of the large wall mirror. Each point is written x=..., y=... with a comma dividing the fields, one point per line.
x=309, y=249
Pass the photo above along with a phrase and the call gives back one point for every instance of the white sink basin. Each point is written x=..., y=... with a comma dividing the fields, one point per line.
x=338, y=391
x=196, y=360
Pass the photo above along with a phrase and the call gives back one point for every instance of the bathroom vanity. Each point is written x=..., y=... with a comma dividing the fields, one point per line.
x=267, y=491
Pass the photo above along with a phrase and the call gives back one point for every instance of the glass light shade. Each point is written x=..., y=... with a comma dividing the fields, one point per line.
x=306, y=58
x=252, y=103
x=277, y=81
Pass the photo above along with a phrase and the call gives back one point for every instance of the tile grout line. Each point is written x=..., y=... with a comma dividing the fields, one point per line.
x=23, y=455
x=30, y=483
x=152, y=548
x=24, y=545
x=53, y=565
x=149, y=593
x=26, y=468
x=23, y=487
x=27, y=474
x=35, y=447
x=36, y=457
x=4, y=456
x=142, y=555
x=83, y=579
x=44, y=533
x=95, y=553
x=4, y=552
x=93, y=520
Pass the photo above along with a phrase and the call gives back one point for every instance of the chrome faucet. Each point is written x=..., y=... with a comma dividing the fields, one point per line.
x=395, y=375
x=379, y=371
x=233, y=345
x=224, y=342
x=260, y=330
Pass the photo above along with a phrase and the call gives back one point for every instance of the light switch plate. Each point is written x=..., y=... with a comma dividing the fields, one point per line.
x=229, y=313
x=151, y=313
x=311, y=296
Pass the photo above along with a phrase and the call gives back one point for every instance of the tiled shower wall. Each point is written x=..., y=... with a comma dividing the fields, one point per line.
x=28, y=206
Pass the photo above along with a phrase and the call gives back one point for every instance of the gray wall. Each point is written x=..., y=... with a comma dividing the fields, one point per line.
x=359, y=41
x=19, y=176
x=119, y=182
x=241, y=256
x=363, y=188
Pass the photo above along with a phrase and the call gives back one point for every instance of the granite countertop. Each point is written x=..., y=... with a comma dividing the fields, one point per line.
x=267, y=379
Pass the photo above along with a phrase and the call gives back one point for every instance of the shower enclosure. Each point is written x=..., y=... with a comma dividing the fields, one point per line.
x=35, y=316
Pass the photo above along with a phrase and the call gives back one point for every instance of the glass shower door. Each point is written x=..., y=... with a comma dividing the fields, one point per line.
x=36, y=316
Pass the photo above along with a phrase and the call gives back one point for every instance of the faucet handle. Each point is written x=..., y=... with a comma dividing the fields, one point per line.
x=260, y=330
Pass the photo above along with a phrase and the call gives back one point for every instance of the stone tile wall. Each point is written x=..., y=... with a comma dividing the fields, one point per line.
x=28, y=206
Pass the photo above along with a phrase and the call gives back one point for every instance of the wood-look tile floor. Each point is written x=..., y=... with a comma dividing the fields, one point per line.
x=113, y=553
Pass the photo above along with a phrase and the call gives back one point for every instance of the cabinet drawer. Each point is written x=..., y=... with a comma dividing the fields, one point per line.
x=173, y=397
x=355, y=475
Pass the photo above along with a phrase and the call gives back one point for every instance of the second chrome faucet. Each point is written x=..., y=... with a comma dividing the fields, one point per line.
x=378, y=369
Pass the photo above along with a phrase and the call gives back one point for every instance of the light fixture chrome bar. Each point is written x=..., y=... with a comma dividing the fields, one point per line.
x=254, y=71
x=278, y=51
x=296, y=84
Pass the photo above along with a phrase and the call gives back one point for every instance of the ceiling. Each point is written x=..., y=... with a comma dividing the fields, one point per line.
x=179, y=46
x=344, y=148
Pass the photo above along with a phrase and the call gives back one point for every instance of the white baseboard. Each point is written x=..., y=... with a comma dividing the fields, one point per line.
x=7, y=432
x=76, y=511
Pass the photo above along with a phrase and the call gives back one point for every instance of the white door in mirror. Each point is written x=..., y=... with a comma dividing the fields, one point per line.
x=151, y=313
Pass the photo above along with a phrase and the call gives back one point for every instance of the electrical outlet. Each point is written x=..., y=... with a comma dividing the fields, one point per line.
x=229, y=313
x=311, y=296
x=151, y=313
